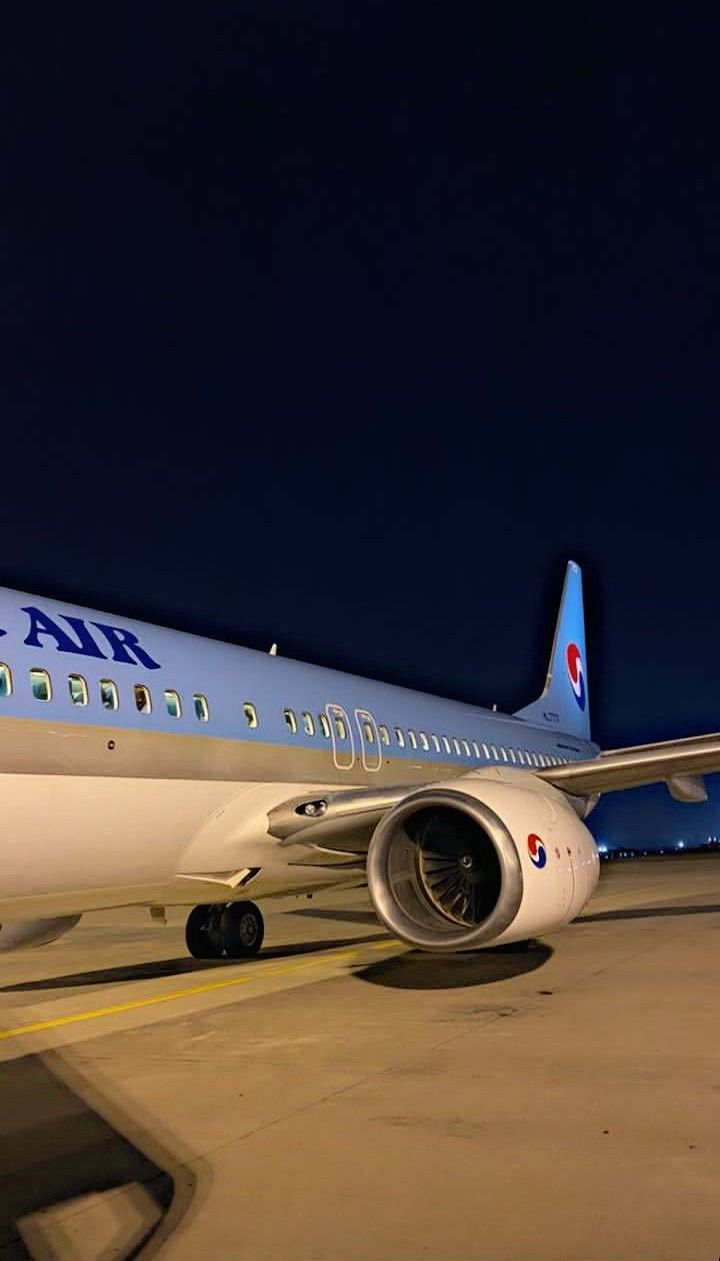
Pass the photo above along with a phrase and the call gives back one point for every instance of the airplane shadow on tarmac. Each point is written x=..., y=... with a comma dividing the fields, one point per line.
x=320, y=912
x=178, y=967
x=418, y=970
x=72, y=1183
x=648, y=912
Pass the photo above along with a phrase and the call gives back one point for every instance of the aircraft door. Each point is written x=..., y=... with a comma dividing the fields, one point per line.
x=343, y=745
x=369, y=740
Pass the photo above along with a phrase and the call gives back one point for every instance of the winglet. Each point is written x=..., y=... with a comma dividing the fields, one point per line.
x=564, y=702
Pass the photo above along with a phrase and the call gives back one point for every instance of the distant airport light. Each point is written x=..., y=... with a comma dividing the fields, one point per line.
x=680, y=845
x=602, y=848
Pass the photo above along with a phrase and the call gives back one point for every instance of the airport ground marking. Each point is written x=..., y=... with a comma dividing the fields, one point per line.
x=136, y=1004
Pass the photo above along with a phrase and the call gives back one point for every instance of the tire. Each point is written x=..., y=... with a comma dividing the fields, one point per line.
x=201, y=933
x=242, y=929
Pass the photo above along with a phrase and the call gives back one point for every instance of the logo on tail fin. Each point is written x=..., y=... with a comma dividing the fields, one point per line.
x=576, y=674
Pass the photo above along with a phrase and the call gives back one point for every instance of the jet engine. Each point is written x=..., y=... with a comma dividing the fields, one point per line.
x=34, y=932
x=494, y=857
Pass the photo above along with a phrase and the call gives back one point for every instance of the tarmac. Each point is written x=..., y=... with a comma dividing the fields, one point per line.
x=342, y=1098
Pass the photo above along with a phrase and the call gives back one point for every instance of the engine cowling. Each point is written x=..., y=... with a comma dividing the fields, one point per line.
x=15, y=934
x=497, y=856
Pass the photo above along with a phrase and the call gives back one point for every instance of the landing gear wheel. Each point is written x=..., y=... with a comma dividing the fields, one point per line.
x=242, y=928
x=202, y=932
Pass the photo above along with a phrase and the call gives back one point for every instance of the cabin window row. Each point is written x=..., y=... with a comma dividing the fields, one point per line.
x=41, y=687
x=406, y=738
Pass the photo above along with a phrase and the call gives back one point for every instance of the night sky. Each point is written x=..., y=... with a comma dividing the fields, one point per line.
x=345, y=325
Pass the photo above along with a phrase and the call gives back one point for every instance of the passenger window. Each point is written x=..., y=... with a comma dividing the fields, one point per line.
x=512, y=755
x=324, y=725
x=384, y=733
x=202, y=712
x=369, y=733
x=291, y=720
x=412, y=737
x=308, y=724
x=493, y=750
x=503, y=753
x=456, y=745
x=142, y=698
x=424, y=742
x=400, y=737
x=78, y=689
x=108, y=694
x=446, y=744
x=436, y=743
x=40, y=684
x=172, y=702
x=5, y=680
x=340, y=727
x=476, y=748
x=466, y=748
x=250, y=713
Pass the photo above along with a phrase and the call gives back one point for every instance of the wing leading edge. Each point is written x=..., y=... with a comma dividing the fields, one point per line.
x=678, y=763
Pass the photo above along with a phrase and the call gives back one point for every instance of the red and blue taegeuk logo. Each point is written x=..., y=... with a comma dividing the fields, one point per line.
x=536, y=850
x=576, y=673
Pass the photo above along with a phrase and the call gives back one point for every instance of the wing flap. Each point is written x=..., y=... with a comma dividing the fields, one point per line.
x=670, y=761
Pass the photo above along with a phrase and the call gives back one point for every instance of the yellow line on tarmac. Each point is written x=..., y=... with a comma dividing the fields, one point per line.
x=136, y=1003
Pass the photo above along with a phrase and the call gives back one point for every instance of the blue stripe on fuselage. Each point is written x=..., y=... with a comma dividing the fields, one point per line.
x=65, y=639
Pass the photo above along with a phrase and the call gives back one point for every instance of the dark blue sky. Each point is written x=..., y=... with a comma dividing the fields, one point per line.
x=345, y=325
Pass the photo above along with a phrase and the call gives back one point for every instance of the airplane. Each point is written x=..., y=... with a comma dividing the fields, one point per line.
x=144, y=766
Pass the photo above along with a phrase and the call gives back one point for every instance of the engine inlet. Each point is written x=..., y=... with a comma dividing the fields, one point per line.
x=443, y=871
x=457, y=864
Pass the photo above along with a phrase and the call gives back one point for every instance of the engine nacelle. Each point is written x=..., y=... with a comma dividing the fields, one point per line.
x=496, y=856
x=34, y=932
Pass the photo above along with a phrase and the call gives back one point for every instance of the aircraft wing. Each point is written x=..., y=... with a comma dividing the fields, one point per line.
x=679, y=763
x=339, y=821
x=343, y=819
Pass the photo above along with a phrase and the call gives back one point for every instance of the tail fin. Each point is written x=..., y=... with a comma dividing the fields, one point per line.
x=564, y=702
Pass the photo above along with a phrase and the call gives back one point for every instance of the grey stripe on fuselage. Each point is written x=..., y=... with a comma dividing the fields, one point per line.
x=31, y=746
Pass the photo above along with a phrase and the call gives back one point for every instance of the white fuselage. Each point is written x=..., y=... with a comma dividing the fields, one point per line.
x=138, y=764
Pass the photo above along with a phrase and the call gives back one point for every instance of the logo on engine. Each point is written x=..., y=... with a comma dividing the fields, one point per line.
x=536, y=850
x=576, y=674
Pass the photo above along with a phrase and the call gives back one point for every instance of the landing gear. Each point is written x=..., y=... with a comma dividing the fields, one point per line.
x=233, y=931
x=243, y=929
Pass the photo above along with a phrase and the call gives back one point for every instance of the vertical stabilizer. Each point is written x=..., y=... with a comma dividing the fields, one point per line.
x=564, y=702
